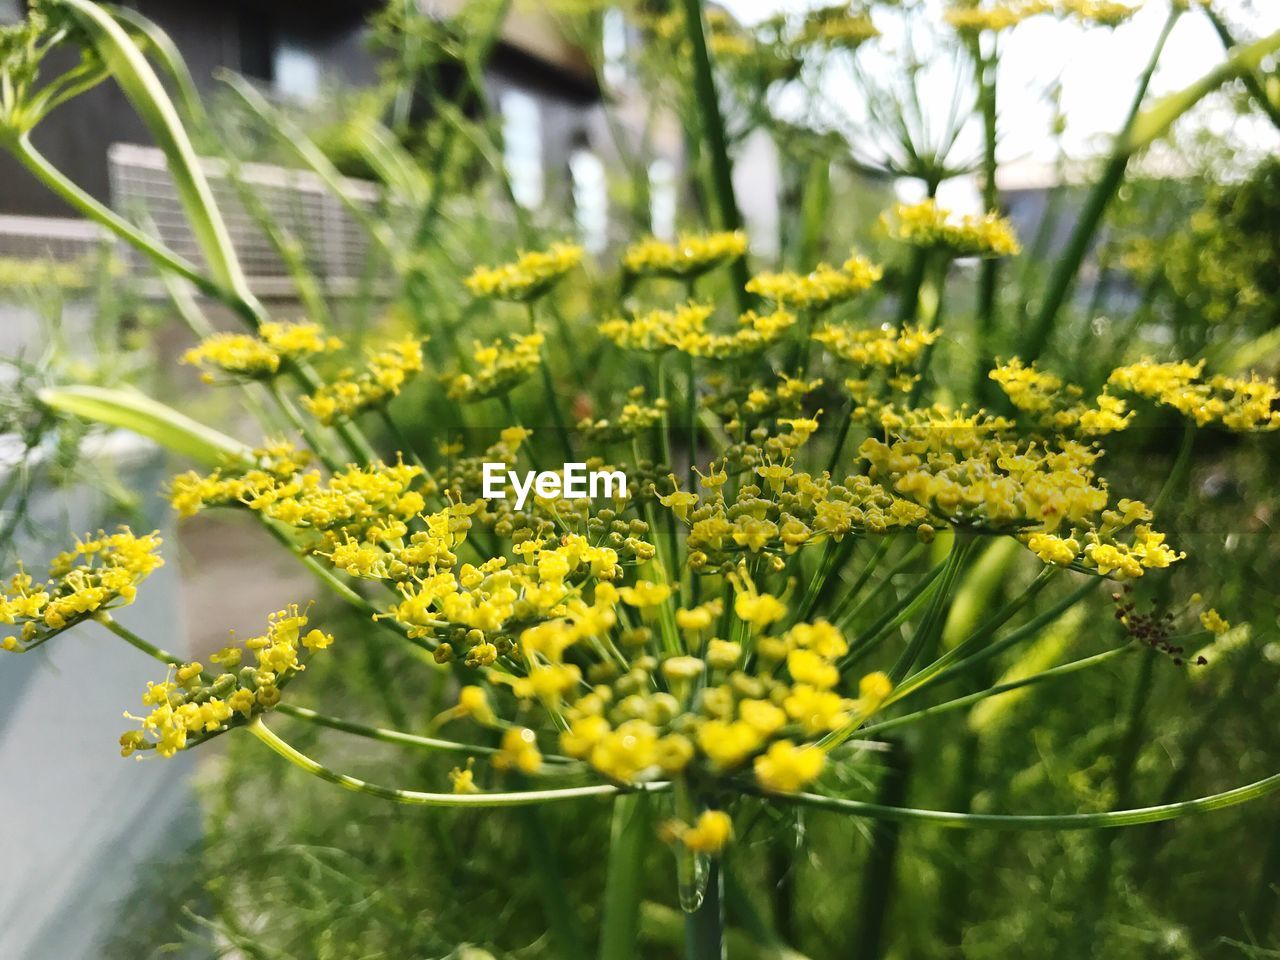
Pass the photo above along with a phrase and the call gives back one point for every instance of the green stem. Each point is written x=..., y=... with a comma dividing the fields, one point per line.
x=1250, y=77
x=1062, y=821
x=989, y=276
x=628, y=838
x=1028, y=629
x=1178, y=474
x=926, y=633
x=78, y=199
x=930, y=298
x=959, y=703
x=713, y=132
x=419, y=798
x=549, y=392
x=704, y=927
x=1104, y=190
x=878, y=873
x=309, y=436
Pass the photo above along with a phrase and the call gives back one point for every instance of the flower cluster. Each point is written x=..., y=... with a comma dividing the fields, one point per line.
x=1233, y=402
x=243, y=356
x=823, y=287
x=685, y=329
x=499, y=367
x=689, y=256
x=966, y=472
x=193, y=702
x=529, y=277
x=352, y=393
x=1001, y=16
x=100, y=573
x=1056, y=405
x=892, y=350
x=926, y=224
x=837, y=26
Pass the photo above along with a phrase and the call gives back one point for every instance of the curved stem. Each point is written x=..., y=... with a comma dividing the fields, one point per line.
x=397, y=736
x=421, y=798
x=960, y=702
x=71, y=194
x=1061, y=821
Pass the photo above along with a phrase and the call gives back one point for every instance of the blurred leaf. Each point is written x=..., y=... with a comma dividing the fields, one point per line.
x=1155, y=121
x=130, y=69
x=130, y=410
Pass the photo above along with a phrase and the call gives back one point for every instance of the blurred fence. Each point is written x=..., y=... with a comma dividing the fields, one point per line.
x=334, y=245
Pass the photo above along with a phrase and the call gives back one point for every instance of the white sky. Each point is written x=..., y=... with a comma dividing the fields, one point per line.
x=1098, y=69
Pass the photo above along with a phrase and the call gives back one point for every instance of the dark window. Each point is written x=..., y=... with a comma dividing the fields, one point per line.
x=257, y=44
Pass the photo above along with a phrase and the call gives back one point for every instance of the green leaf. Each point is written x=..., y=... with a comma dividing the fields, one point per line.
x=1154, y=122
x=131, y=70
x=165, y=53
x=130, y=410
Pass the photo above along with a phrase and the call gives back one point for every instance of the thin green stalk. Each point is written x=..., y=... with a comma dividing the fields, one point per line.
x=548, y=875
x=1062, y=821
x=1181, y=469
x=1104, y=190
x=1028, y=629
x=989, y=277
x=959, y=703
x=629, y=837
x=850, y=607
x=895, y=615
x=984, y=630
x=713, y=132
x=930, y=299
x=549, y=392
x=704, y=927
x=519, y=798
x=926, y=633
x=1250, y=77
x=815, y=211
x=294, y=416
x=691, y=867
x=842, y=435
x=71, y=194
x=879, y=872
x=398, y=737
x=692, y=413
x=131, y=638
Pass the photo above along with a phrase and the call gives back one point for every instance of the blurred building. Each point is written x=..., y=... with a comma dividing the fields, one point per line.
x=295, y=51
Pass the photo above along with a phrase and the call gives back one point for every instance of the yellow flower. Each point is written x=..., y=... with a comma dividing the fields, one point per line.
x=786, y=768
x=926, y=224
x=645, y=594
x=464, y=780
x=529, y=277
x=711, y=834
x=822, y=288
x=758, y=609
x=350, y=394
x=1213, y=622
x=243, y=356
x=473, y=702
x=519, y=751
x=689, y=256
x=728, y=745
x=500, y=366
x=100, y=573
